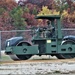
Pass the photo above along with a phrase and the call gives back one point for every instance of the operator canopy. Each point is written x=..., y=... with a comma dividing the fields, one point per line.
x=50, y=17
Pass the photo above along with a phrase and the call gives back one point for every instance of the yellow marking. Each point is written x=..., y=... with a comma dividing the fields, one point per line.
x=48, y=41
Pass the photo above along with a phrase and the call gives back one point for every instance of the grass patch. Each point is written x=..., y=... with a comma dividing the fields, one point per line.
x=5, y=58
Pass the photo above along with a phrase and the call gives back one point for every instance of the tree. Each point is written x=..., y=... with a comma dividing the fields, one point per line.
x=5, y=21
x=30, y=19
x=17, y=19
x=41, y=3
x=2, y=10
x=46, y=11
x=34, y=11
x=26, y=9
x=8, y=4
x=61, y=5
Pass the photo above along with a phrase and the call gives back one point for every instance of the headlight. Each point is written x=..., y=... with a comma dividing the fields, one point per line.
x=8, y=43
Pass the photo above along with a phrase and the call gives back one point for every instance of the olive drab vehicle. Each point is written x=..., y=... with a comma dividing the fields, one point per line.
x=46, y=41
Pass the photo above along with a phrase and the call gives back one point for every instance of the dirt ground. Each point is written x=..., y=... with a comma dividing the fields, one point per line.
x=44, y=65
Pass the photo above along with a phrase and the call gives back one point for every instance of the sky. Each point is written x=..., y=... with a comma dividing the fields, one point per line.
x=16, y=0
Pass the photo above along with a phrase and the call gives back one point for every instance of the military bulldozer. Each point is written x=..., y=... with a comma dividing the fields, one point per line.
x=46, y=41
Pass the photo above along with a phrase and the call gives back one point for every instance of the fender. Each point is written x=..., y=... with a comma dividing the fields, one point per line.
x=68, y=38
x=13, y=41
x=20, y=42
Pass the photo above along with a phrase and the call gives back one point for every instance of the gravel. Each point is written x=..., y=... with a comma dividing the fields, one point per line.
x=36, y=68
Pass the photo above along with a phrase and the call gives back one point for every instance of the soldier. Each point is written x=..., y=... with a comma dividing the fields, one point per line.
x=50, y=29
